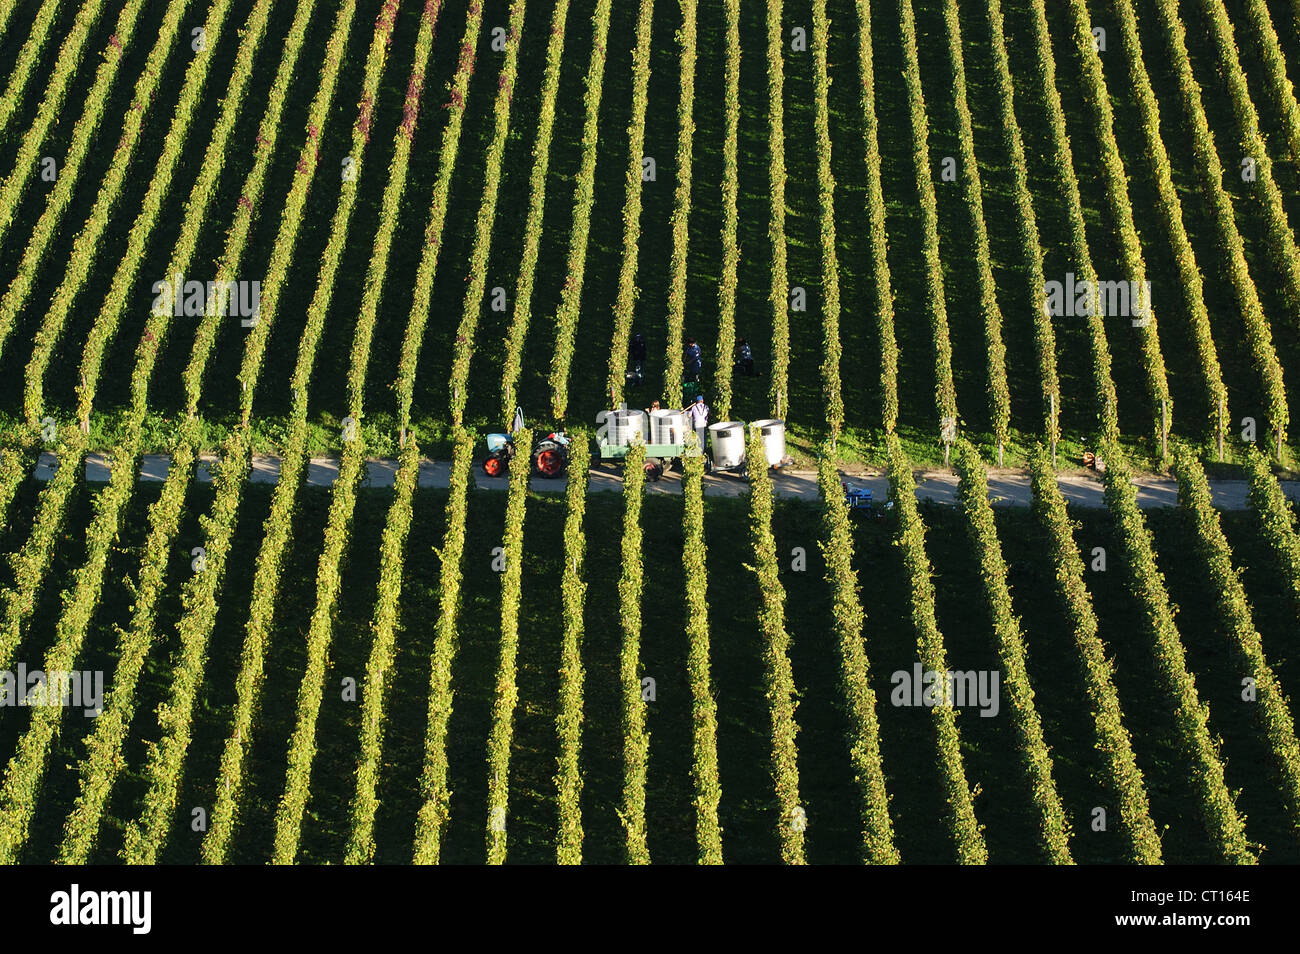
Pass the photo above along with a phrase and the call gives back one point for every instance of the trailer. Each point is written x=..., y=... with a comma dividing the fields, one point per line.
x=659, y=458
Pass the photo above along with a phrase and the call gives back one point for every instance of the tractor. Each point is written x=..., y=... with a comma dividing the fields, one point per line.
x=550, y=456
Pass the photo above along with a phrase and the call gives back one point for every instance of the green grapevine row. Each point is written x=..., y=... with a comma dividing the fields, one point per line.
x=65, y=67
x=779, y=677
x=999, y=395
x=832, y=395
x=879, y=240
x=1225, y=827
x=726, y=341
x=1117, y=198
x=967, y=832
x=464, y=346
x=584, y=197
x=84, y=249
x=636, y=741
x=1209, y=172
x=1280, y=242
x=519, y=318
x=568, y=724
x=681, y=206
x=779, y=291
x=625, y=299
x=708, y=790
x=279, y=524
x=935, y=306
x=1062, y=165
x=27, y=57
x=506, y=699
x=1277, y=522
x=864, y=737
x=973, y=491
x=1027, y=226
x=38, y=244
x=1235, y=615
x=1113, y=739
x=302, y=747
x=435, y=808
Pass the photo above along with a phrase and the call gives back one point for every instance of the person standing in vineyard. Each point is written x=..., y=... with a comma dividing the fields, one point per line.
x=694, y=356
x=744, y=358
x=698, y=413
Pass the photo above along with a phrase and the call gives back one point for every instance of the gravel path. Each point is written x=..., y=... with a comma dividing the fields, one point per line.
x=1006, y=488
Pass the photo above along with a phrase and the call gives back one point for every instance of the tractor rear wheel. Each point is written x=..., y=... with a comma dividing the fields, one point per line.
x=653, y=467
x=549, y=462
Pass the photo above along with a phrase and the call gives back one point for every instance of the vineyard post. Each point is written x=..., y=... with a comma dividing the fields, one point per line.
x=1052, y=398
x=1164, y=431
x=1222, y=414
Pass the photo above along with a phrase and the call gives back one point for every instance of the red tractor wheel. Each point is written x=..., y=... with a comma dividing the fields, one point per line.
x=653, y=468
x=549, y=462
x=494, y=466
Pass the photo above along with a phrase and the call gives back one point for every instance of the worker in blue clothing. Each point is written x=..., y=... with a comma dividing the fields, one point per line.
x=694, y=360
x=744, y=358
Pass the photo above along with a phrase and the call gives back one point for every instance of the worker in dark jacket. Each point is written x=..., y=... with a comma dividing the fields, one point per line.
x=694, y=359
x=744, y=358
x=636, y=352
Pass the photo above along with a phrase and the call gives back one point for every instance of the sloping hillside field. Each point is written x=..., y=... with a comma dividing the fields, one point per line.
x=336, y=533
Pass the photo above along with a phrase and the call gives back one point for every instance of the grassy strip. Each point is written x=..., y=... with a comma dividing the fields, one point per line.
x=1201, y=752
x=1235, y=615
x=568, y=724
x=681, y=207
x=1027, y=226
x=636, y=741
x=967, y=833
x=779, y=676
x=879, y=240
x=1113, y=740
x=1062, y=163
x=973, y=491
x=945, y=392
x=506, y=699
x=584, y=197
x=278, y=529
x=864, y=736
x=435, y=809
x=704, y=707
x=522, y=312
x=1209, y=173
